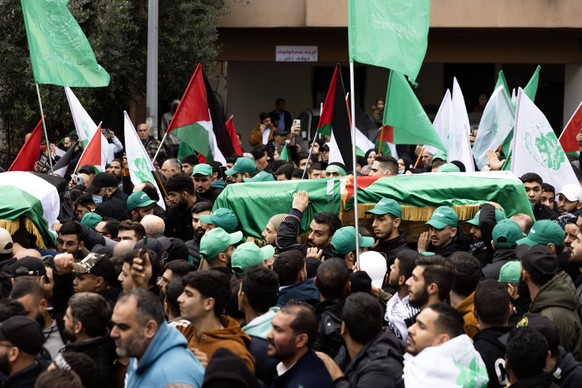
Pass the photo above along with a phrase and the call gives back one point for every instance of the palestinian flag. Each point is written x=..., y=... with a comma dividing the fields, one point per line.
x=24, y=194
x=334, y=121
x=30, y=151
x=199, y=122
x=231, y=130
x=96, y=151
x=60, y=168
x=568, y=136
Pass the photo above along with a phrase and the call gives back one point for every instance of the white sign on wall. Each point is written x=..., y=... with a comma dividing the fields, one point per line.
x=296, y=54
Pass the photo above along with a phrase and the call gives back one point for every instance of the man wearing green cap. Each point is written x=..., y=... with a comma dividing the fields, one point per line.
x=444, y=237
x=243, y=168
x=216, y=248
x=203, y=177
x=546, y=233
x=139, y=205
x=344, y=244
x=387, y=216
x=248, y=255
x=505, y=236
x=220, y=218
x=480, y=233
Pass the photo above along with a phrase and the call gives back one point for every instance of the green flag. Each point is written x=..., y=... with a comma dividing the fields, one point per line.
x=59, y=51
x=531, y=88
x=389, y=33
x=284, y=155
x=406, y=119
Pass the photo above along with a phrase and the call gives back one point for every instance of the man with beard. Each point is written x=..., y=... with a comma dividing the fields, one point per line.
x=116, y=168
x=182, y=197
x=294, y=331
x=216, y=248
x=576, y=260
x=431, y=281
x=444, y=237
x=20, y=341
x=399, y=311
x=272, y=228
x=199, y=227
x=110, y=200
x=321, y=229
x=243, y=168
x=139, y=205
x=70, y=240
x=203, y=177
x=85, y=326
x=159, y=355
x=31, y=295
x=387, y=217
x=480, y=233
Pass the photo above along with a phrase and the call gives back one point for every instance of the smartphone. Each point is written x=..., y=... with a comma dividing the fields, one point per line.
x=297, y=122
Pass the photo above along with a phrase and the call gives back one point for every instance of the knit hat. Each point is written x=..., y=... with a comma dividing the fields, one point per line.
x=216, y=241
x=386, y=206
x=544, y=232
x=91, y=220
x=276, y=220
x=344, y=240
x=443, y=216
x=24, y=333
x=222, y=218
x=249, y=254
x=374, y=264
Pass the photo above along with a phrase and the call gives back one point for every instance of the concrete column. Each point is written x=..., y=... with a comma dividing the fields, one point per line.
x=572, y=90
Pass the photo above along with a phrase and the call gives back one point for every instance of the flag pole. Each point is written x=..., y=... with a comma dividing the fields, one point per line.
x=353, y=131
x=48, y=145
x=312, y=144
x=160, y=147
x=381, y=141
x=419, y=156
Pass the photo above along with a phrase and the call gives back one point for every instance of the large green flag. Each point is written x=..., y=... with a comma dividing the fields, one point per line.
x=531, y=88
x=406, y=120
x=59, y=51
x=389, y=33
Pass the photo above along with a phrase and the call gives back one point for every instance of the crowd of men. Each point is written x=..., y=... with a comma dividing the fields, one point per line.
x=136, y=295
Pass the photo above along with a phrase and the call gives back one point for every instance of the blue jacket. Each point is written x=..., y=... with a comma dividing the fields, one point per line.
x=167, y=360
x=308, y=372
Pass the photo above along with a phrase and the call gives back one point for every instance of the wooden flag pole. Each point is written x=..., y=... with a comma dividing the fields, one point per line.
x=160, y=147
x=312, y=144
x=419, y=156
x=381, y=140
x=353, y=131
x=48, y=144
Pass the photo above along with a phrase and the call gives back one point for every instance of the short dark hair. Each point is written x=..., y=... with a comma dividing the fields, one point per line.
x=297, y=173
x=437, y=270
x=179, y=268
x=305, y=320
x=149, y=307
x=388, y=162
x=330, y=219
x=27, y=287
x=84, y=200
x=263, y=115
x=151, y=191
x=356, y=307
x=179, y=183
x=132, y=225
x=210, y=284
x=526, y=352
x=279, y=100
x=466, y=272
x=58, y=378
x=261, y=286
x=81, y=364
x=548, y=187
x=71, y=227
x=332, y=277
x=111, y=227
x=201, y=206
x=288, y=265
x=407, y=261
x=449, y=320
x=10, y=308
x=491, y=302
x=531, y=177
x=314, y=166
x=92, y=310
x=286, y=169
x=174, y=289
x=190, y=159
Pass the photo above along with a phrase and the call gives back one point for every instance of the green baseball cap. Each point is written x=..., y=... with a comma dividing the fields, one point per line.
x=544, y=232
x=510, y=272
x=202, y=169
x=222, y=218
x=440, y=155
x=335, y=168
x=216, y=241
x=138, y=199
x=443, y=216
x=386, y=206
x=249, y=254
x=91, y=220
x=262, y=176
x=475, y=220
x=344, y=240
x=506, y=233
x=449, y=167
x=242, y=165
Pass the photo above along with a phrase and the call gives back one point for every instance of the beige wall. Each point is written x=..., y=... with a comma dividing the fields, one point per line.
x=444, y=13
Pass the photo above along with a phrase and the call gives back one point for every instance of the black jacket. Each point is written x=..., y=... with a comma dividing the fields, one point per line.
x=179, y=222
x=288, y=232
x=492, y=352
x=500, y=258
x=26, y=377
x=266, y=367
x=543, y=212
x=379, y=363
x=329, y=338
x=390, y=247
x=544, y=380
x=305, y=291
x=486, y=224
x=115, y=206
x=102, y=351
x=459, y=243
x=568, y=373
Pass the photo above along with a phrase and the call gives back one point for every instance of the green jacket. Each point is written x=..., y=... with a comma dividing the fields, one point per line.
x=557, y=301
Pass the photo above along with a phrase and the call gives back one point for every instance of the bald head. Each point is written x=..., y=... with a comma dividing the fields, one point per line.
x=153, y=225
x=122, y=248
x=27, y=252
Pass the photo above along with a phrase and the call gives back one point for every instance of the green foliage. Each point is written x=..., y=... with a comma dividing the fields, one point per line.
x=117, y=32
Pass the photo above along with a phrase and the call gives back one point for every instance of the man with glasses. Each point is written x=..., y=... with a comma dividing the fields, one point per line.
x=69, y=240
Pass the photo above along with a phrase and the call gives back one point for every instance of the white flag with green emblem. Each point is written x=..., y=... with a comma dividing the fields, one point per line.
x=536, y=148
x=138, y=161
